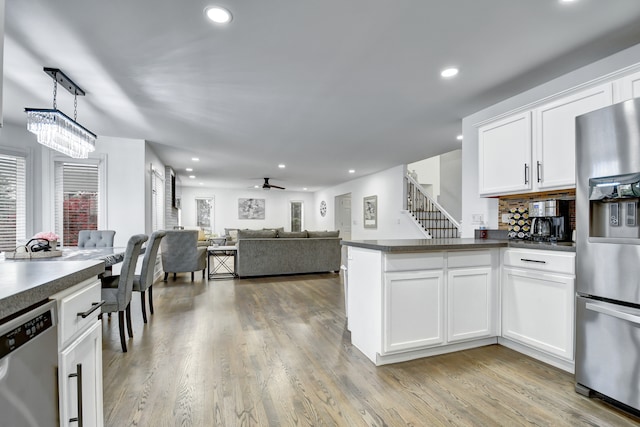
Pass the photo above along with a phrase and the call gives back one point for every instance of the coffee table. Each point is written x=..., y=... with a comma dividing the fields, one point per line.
x=218, y=258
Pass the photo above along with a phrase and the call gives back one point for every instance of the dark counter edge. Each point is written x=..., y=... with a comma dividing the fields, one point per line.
x=21, y=300
x=435, y=245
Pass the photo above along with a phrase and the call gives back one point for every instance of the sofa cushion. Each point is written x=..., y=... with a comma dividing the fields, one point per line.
x=323, y=233
x=292, y=234
x=277, y=229
x=256, y=234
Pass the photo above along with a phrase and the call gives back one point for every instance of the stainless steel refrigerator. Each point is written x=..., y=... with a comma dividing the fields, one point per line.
x=608, y=253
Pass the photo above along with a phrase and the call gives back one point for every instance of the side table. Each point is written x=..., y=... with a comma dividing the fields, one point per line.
x=217, y=262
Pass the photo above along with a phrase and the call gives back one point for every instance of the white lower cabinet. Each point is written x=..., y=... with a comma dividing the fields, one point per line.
x=538, y=306
x=80, y=355
x=470, y=303
x=413, y=310
x=80, y=379
x=436, y=301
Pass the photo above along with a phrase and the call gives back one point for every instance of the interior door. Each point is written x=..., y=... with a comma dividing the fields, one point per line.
x=343, y=215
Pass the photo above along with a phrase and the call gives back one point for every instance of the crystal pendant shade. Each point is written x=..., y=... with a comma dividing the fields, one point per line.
x=56, y=130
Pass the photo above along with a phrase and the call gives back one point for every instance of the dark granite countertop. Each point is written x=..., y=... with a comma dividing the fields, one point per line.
x=25, y=283
x=434, y=245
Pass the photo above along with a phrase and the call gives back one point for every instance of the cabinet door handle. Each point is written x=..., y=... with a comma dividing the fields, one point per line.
x=533, y=260
x=526, y=173
x=78, y=375
x=539, y=171
x=94, y=307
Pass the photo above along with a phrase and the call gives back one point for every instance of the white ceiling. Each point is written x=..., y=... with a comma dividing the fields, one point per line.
x=321, y=86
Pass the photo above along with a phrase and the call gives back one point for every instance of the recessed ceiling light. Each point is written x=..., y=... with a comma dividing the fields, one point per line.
x=195, y=159
x=201, y=183
x=189, y=169
x=192, y=176
x=282, y=166
x=256, y=186
x=352, y=171
x=459, y=137
x=305, y=188
x=218, y=14
x=449, y=72
x=567, y=1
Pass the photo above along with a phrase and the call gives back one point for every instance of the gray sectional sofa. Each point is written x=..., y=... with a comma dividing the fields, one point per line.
x=272, y=252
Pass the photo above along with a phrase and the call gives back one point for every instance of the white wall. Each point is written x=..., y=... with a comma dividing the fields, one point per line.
x=151, y=159
x=226, y=208
x=428, y=171
x=388, y=185
x=472, y=203
x=125, y=186
x=451, y=183
x=16, y=139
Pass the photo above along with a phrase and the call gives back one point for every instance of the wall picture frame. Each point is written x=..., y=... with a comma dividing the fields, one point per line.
x=251, y=208
x=204, y=212
x=370, y=212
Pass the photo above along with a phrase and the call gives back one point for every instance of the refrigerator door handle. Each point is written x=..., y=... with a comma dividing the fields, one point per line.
x=608, y=310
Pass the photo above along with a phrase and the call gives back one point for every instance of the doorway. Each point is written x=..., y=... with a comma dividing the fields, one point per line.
x=343, y=215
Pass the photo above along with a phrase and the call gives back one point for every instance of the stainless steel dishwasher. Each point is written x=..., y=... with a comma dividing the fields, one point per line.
x=28, y=368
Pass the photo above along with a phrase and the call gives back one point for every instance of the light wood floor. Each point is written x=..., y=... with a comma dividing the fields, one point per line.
x=275, y=352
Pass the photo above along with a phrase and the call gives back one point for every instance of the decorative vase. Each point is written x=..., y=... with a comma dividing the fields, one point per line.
x=53, y=244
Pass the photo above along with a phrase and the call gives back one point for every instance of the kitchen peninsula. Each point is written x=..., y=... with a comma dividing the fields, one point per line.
x=408, y=299
x=77, y=336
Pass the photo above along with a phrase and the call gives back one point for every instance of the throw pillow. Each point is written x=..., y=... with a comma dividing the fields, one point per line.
x=292, y=234
x=324, y=233
x=233, y=233
x=201, y=235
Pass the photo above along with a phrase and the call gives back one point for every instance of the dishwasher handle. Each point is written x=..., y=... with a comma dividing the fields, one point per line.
x=610, y=311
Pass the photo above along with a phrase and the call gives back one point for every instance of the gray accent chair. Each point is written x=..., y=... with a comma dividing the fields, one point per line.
x=116, y=290
x=96, y=238
x=144, y=281
x=181, y=254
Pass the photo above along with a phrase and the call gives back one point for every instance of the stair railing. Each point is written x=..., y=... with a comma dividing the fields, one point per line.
x=428, y=213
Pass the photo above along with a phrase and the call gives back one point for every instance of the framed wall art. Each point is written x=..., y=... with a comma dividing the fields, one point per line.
x=251, y=208
x=204, y=213
x=370, y=210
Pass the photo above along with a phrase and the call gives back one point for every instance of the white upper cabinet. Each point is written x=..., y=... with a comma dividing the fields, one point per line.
x=535, y=150
x=554, y=136
x=628, y=87
x=504, y=155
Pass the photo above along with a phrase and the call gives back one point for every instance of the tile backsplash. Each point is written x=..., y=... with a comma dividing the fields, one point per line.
x=505, y=203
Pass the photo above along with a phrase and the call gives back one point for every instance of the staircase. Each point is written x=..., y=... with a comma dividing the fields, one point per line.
x=428, y=214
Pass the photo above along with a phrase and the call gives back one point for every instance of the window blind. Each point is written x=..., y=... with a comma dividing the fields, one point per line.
x=77, y=190
x=13, y=212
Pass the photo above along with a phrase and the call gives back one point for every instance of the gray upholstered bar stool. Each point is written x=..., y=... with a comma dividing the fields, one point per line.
x=116, y=290
x=144, y=281
x=96, y=238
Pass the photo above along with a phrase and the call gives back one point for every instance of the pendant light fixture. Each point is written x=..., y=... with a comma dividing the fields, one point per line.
x=56, y=130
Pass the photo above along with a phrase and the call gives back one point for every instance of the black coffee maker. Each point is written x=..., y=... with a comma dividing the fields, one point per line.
x=550, y=220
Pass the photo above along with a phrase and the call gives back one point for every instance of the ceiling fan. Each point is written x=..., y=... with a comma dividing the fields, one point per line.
x=267, y=186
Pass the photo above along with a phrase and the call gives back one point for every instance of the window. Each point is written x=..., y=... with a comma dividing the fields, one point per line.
x=296, y=216
x=157, y=200
x=13, y=210
x=77, y=199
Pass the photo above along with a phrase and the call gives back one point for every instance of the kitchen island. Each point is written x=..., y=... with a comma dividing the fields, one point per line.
x=414, y=298
x=25, y=283
x=407, y=299
x=76, y=290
